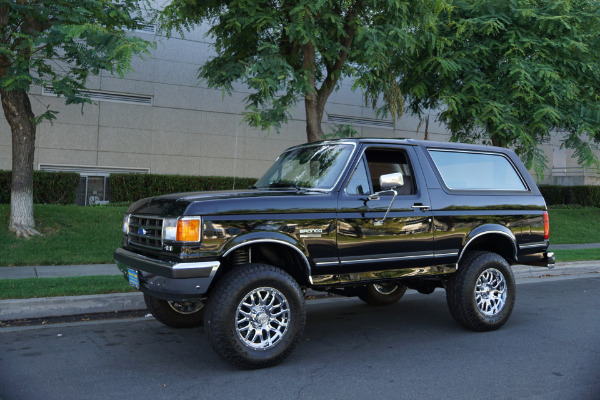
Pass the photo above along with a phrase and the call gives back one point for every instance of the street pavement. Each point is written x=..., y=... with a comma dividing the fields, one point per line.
x=14, y=309
x=548, y=350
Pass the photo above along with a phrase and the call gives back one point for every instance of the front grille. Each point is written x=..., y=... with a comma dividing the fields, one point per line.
x=145, y=232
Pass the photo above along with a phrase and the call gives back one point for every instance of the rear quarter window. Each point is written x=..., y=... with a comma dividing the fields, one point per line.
x=476, y=171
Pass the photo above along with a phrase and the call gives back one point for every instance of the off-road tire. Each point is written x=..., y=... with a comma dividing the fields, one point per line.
x=190, y=314
x=382, y=294
x=481, y=294
x=234, y=314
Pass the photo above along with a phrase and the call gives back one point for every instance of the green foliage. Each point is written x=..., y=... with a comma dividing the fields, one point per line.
x=587, y=196
x=510, y=73
x=48, y=187
x=62, y=42
x=291, y=51
x=132, y=187
x=342, y=131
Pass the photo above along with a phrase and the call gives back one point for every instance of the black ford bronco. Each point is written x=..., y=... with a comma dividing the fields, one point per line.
x=355, y=217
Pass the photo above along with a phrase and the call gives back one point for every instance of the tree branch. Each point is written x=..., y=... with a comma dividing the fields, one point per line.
x=334, y=71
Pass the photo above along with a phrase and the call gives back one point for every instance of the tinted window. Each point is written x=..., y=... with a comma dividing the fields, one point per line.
x=476, y=171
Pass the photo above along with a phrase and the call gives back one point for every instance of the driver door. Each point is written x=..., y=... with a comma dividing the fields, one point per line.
x=372, y=242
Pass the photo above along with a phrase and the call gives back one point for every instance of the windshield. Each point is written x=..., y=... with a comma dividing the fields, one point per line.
x=308, y=167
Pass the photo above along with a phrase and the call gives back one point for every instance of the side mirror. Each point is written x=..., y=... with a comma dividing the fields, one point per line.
x=391, y=181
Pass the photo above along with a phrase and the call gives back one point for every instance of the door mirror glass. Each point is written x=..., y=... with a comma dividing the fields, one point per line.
x=391, y=181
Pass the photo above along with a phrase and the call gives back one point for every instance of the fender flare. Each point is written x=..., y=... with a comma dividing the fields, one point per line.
x=488, y=229
x=273, y=237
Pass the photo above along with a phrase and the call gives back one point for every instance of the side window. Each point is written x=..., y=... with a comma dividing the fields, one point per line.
x=381, y=161
x=476, y=171
x=359, y=183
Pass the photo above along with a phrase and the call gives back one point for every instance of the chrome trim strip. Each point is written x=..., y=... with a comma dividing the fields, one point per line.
x=454, y=253
x=358, y=261
x=237, y=246
x=537, y=244
x=326, y=263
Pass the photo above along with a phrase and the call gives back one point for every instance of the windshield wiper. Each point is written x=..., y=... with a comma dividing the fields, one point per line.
x=283, y=184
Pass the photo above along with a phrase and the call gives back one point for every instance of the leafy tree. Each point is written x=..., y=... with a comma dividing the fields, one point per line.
x=56, y=43
x=288, y=51
x=513, y=72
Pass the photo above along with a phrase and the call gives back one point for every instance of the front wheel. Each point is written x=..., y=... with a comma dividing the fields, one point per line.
x=182, y=314
x=383, y=294
x=481, y=294
x=255, y=316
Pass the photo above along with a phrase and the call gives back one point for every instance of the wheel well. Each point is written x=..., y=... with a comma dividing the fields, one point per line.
x=278, y=255
x=496, y=243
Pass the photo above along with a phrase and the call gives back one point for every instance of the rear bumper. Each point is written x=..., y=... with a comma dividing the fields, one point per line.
x=168, y=280
x=545, y=259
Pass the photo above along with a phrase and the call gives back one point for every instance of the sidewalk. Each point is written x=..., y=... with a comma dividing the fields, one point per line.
x=74, y=305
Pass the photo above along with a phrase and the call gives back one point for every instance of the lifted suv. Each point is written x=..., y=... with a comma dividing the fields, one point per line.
x=355, y=217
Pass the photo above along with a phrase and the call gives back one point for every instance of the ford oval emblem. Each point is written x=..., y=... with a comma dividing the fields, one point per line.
x=142, y=231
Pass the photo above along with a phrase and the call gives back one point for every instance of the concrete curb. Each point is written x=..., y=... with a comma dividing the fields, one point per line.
x=70, y=305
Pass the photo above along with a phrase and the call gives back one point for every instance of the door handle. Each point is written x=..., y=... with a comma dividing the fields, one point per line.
x=419, y=206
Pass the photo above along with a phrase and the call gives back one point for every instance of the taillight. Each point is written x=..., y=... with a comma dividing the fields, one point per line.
x=546, y=226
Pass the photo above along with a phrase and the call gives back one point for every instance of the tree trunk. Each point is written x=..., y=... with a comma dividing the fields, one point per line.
x=18, y=113
x=314, y=116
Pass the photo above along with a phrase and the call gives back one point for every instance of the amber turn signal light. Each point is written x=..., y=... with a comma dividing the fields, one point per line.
x=188, y=230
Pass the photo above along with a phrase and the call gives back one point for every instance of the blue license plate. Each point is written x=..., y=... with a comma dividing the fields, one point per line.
x=133, y=278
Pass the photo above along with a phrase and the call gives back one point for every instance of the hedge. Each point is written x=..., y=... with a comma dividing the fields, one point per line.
x=132, y=187
x=588, y=196
x=48, y=187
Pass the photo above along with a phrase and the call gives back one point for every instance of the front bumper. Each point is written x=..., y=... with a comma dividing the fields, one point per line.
x=168, y=280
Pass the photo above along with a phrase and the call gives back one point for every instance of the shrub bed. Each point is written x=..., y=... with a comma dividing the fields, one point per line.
x=48, y=187
x=587, y=196
x=132, y=187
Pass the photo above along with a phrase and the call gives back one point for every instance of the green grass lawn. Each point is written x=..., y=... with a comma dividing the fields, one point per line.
x=568, y=226
x=71, y=235
x=577, y=255
x=53, y=287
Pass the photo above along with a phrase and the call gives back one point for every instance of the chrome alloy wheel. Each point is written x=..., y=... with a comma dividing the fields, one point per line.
x=490, y=292
x=262, y=318
x=186, y=307
x=385, y=288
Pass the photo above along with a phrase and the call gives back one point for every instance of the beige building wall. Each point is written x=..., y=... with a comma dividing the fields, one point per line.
x=190, y=129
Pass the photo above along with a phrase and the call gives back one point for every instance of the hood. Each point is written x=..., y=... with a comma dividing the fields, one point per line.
x=270, y=201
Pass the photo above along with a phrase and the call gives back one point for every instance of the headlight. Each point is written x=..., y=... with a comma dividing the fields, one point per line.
x=186, y=229
x=126, y=224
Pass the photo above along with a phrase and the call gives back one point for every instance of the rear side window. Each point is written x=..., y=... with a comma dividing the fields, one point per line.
x=476, y=171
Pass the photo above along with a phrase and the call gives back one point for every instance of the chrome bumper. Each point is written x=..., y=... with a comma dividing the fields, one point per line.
x=127, y=259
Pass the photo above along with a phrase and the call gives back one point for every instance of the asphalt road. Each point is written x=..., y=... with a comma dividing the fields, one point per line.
x=549, y=349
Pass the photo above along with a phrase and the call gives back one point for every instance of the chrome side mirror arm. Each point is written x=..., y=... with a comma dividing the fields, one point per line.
x=376, y=197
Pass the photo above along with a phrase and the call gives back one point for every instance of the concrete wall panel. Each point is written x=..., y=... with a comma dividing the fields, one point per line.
x=67, y=137
x=122, y=140
x=130, y=116
x=65, y=157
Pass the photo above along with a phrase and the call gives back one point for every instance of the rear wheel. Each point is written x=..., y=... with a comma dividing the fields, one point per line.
x=383, y=294
x=176, y=314
x=481, y=294
x=255, y=316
